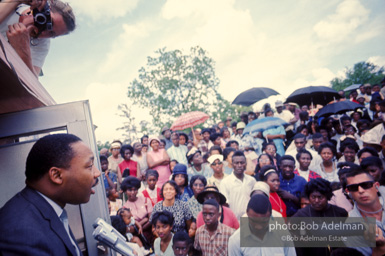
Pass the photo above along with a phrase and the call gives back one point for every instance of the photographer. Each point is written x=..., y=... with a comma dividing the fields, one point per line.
x=30, y=25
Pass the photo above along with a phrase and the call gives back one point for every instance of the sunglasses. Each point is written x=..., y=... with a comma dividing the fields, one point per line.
x=214, y=164
x=364, y=185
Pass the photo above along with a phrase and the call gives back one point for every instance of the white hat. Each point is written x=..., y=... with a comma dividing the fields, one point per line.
x=212, y=158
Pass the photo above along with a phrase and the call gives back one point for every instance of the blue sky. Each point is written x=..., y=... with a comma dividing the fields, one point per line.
x=282, y=44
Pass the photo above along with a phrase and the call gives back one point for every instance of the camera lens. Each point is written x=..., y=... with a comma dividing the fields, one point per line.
x=40, y=19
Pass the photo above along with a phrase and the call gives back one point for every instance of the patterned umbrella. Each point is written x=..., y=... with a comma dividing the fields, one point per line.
x=189, y=120
x=261, y=124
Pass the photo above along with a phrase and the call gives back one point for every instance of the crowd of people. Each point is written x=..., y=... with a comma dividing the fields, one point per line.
x=199, y=185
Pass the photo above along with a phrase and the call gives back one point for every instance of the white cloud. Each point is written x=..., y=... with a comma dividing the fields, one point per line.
x=124, y=46
x=377, y=60
x=337, y=27
x=104, y=100
x=102, y=10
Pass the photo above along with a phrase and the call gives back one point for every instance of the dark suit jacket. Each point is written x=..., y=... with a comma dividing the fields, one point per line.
x=30, y=226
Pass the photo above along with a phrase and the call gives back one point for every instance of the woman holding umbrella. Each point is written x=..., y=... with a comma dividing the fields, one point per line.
x=276, y=134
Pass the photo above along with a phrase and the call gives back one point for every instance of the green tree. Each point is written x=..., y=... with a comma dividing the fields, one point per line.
x=361, y=73
x=173, y=83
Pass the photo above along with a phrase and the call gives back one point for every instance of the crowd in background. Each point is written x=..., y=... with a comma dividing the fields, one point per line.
x=199, y=185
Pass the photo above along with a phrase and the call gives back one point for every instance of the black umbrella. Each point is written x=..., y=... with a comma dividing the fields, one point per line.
x=338, y=108
x=313, y=94
x=253, y=95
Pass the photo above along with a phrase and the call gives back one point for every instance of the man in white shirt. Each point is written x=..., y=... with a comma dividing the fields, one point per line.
x=176, y=151
x=254, y=232
x=300, y=143
x=237, y=186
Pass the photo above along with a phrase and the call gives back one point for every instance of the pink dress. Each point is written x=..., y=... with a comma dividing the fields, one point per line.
x=163, y=170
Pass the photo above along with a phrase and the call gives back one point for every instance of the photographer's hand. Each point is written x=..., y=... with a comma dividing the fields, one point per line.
x=19, y=37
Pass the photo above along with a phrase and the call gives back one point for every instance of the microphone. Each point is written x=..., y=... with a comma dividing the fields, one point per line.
x=110, y=237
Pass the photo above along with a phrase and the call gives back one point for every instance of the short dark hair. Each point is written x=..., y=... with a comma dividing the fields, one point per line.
x=299, y=136
x=126, y=147
x=151, y=172
x=143, y=137
x=215, y=147
x=265, y=144
x=103, y=158
x=370, y=150
x=371, y=161
x=198, y=177
x=228, y=144
x=184, y=135
x=164, y=217
x=356, y=172
x=118, y=223
x=350, y=144
x=317, y=135
x=238, y=153
x=227, y=151
x=327, y=145
x=286, y=157
x=303, y=151
x=172, y=183
x=345, y=118
x=302, y=127
x=130, y=182
x=181, y=236
x=319, y=185
x=214, y=136
x=50, y=151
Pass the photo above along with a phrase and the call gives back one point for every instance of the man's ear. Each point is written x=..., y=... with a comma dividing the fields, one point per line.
x=55, y=175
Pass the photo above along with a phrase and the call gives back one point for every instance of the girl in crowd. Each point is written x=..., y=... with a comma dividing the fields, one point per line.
x=328, y=168
x=271, y=149
x=139, y=206
x=179, y=209
x=183, y=139
x=152, y=192
x=373, y=166
x=269, y=175
x=133, y=170
x=304, y=158
x=197, y=184
x=227, y=163
x=263, y=160
x=115, y=158
x=179, y=175
x=158, y=160
x=163, y=223
x=349, y=148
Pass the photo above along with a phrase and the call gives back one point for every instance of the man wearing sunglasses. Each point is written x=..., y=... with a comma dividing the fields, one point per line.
x=29, y=26
x=368, y=202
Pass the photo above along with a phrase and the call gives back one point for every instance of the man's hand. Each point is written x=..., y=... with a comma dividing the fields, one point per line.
x=19, y=37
